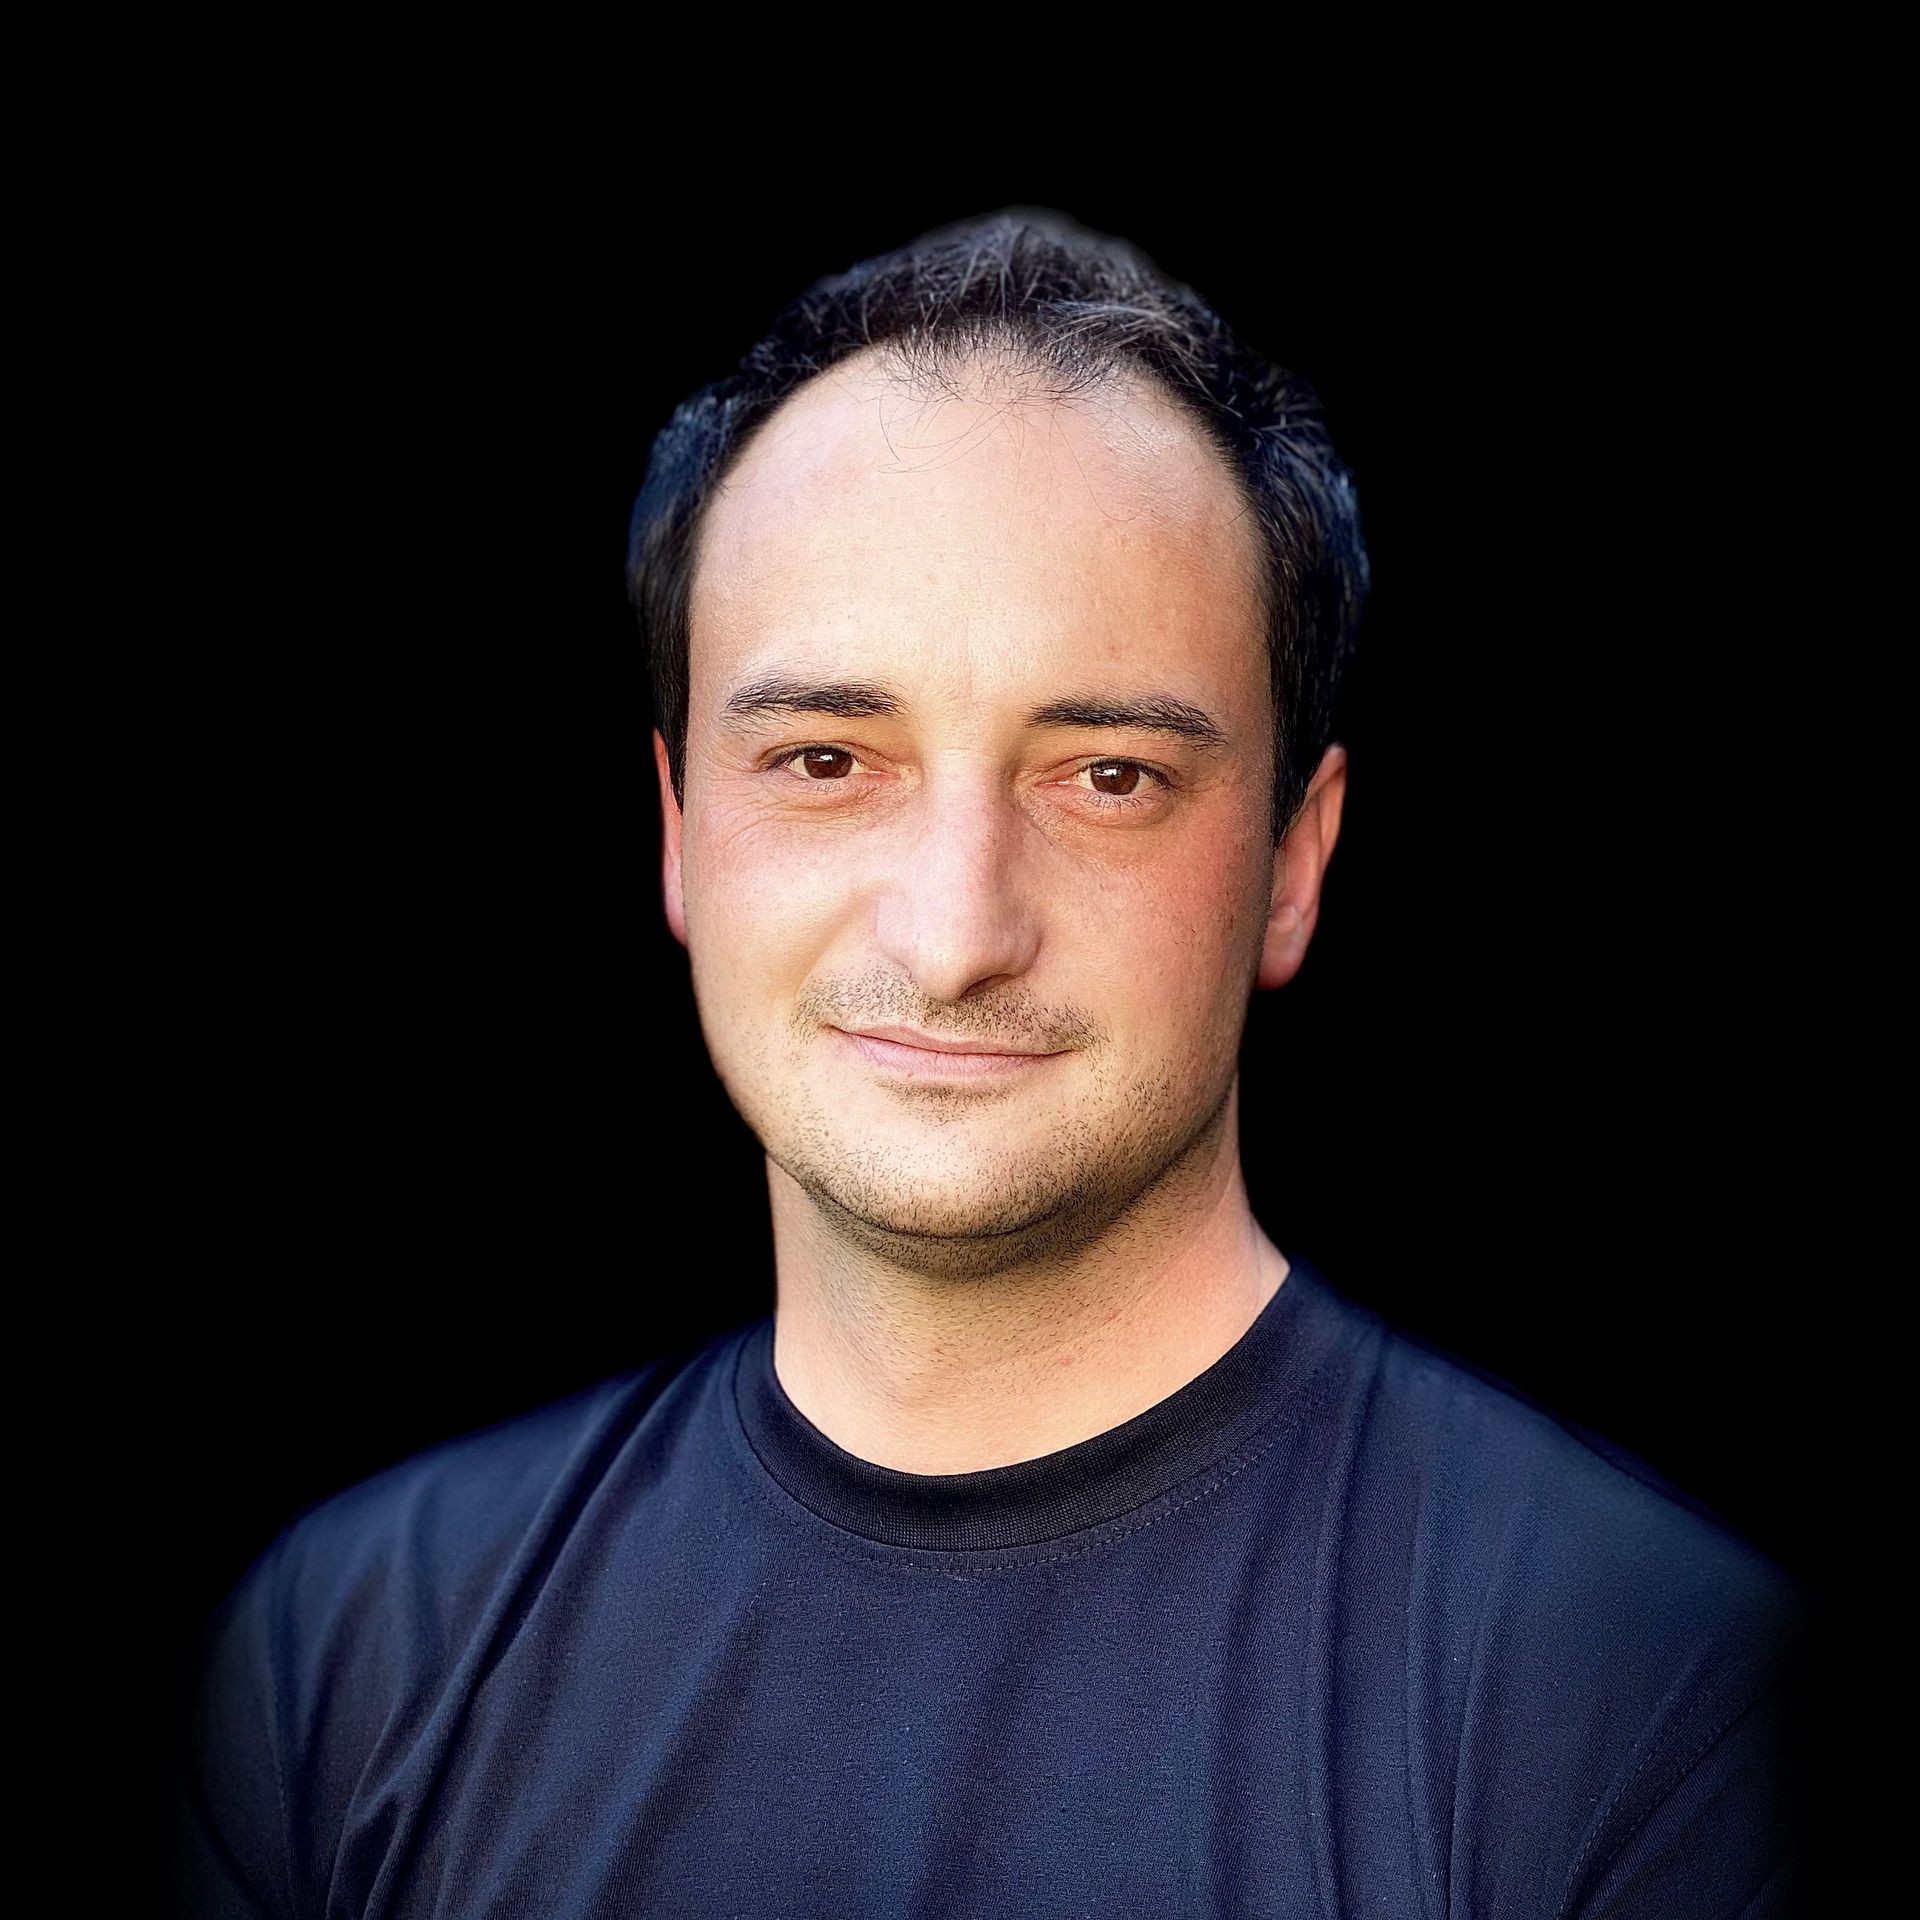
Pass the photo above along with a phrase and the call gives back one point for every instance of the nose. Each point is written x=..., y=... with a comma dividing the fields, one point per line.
x=953, y=908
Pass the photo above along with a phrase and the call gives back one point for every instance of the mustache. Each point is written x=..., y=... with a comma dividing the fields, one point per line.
x=1016, y=1024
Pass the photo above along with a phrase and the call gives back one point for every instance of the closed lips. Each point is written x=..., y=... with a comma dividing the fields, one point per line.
x=929, y=1043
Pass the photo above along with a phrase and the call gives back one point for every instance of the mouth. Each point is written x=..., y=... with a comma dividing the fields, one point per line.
x=937, y=1063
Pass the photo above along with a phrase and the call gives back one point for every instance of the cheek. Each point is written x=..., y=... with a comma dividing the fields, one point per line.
x=759, y=903
x=1175, y=942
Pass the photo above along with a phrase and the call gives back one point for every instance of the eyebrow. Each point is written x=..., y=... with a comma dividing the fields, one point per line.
x=861, y=699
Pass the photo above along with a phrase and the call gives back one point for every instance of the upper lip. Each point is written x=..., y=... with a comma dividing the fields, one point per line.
x=932, y=1043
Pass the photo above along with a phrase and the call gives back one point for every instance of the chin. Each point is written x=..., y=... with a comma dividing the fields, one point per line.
x=882, y=1195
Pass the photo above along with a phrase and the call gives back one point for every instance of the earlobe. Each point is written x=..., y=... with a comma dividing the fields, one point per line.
x=1285, y=945
x=671, y=889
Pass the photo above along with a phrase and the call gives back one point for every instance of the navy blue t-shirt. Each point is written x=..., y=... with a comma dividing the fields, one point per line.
x=1339, y=1628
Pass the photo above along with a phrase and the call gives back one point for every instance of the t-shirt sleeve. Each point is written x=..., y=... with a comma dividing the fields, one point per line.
x=226, y=1779
x=1709, y=1824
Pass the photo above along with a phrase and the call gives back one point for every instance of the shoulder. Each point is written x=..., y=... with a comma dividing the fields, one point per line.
x=1522, y=1487
x=361, y=1609
x=1597, y=1658
x=332, y=1654
x=419, y=1549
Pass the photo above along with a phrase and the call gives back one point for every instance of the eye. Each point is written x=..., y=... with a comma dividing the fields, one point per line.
x=1125, y=782
x=817, y=765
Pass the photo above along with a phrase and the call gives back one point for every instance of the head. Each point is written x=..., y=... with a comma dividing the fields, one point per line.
x=996, y=609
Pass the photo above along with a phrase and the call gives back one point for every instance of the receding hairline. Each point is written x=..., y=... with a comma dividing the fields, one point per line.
x=1010, y=365
x=1014, y=365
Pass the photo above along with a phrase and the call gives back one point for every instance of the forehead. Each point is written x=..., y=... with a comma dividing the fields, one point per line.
x=903, y=529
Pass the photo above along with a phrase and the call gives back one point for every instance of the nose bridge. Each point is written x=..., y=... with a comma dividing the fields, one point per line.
x=952, y=906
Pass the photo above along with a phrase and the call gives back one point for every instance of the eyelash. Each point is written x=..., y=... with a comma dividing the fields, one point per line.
x=1116, y=802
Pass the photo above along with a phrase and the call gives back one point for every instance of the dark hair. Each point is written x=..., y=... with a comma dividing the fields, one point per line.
x=1074, y=306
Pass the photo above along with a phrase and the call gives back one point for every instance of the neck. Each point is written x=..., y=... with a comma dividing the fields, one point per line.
x=959, y=1366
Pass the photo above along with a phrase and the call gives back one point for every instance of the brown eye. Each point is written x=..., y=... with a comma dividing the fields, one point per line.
x=1124, y=775
x=831, y=763
x=1133, y=786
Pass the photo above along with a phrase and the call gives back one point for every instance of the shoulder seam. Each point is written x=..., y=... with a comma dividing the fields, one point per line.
x=1720, y=1731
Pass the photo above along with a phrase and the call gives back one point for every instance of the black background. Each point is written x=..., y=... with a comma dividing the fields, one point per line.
x=442, y=1138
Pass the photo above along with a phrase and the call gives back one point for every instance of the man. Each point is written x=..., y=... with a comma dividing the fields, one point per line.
x=1059, y=1546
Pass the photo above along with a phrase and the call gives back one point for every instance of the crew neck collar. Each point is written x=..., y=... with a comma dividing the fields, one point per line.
x=1060, y=1493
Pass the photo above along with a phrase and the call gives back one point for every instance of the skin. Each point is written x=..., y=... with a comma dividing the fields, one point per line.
x=973, y=1273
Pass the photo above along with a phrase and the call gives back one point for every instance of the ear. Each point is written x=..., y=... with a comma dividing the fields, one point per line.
x=1299, y=866
x=670, y=886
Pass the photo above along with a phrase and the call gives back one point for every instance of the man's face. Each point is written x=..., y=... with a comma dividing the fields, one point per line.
x=927, y=848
